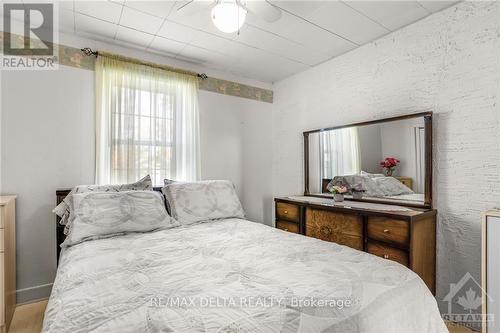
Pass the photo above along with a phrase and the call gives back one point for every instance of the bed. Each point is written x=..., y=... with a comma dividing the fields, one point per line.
x=233, y=275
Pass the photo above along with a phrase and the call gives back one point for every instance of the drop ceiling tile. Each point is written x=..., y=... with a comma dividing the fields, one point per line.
x=341, y=19
x=391, y=14
x=176, y=31
x=306, y=34
x=300, y=8
x=199, y=18
x=94, y=27
x=280, y=27
x=104, y=10
x=321, y=40
x=280, y=46
x=210, y=28
x=166, y=46
x=66, y=20
x=267, y=68
x=157, y=8
x=132, y=18
x=435, y=6
x=241, y=52
x=133, y=37
x=212, y=42
x=69, y=5
x=202, y=56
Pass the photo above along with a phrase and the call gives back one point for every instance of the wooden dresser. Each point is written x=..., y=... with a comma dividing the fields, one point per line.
x=406, y=236
x=7, y=260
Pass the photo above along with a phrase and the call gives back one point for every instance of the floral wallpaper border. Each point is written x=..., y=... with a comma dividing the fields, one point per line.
x=70, y=56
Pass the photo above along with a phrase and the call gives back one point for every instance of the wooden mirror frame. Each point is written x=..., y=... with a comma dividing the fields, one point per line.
x=428, y=158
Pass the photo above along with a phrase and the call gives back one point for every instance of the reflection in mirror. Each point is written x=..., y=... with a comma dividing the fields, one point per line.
x=385, y=160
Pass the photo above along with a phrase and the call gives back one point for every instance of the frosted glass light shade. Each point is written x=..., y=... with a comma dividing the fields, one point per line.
x=228, y=16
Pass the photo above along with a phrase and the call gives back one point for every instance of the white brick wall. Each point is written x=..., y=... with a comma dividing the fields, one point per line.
x=448, y=63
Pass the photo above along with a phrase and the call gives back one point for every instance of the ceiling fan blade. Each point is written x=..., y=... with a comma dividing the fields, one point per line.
x=193, y=7
x=264, y=10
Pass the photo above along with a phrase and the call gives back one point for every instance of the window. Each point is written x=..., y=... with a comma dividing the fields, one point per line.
x=147, y=123
x=339, y=153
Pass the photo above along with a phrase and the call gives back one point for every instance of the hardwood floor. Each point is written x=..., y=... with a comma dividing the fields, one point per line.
x=28, y=319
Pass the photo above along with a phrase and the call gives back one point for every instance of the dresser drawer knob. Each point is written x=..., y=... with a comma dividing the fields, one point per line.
x=386, y=256
x=386, y=231
x=286, y=212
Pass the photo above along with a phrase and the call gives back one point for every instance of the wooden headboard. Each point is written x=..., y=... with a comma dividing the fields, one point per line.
x=324, y=184
x=60, y=236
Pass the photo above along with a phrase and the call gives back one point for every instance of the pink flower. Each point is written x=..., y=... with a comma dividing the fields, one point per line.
x=389, y=162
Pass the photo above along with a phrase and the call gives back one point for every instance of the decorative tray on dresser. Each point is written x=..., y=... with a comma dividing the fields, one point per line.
x=405, y=235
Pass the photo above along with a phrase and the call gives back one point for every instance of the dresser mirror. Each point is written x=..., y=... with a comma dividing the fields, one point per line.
x=385, y=161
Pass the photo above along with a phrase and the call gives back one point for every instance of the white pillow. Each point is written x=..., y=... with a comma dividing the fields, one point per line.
x=64, y=210
x=391, y=186
x=203, y=201
x=104, y=214
x=371, y=175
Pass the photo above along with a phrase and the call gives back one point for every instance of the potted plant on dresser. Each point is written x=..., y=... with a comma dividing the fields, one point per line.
x=338, y=192
x=389, y=165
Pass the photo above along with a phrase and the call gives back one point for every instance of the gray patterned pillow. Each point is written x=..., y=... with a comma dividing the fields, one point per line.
x=105, y=214
x=63, y=210
x=203, y=201
x=167, y=181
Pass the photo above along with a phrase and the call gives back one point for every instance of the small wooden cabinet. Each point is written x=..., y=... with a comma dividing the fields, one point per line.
x=406, y=236
x=7, y=260
x=490, y=271
x=407, y=181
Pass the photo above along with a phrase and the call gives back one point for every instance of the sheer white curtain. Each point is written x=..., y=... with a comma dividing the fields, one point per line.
x=147, y=122
x=339, y=152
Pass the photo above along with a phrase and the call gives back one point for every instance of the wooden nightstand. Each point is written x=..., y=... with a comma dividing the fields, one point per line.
x=7, y=260
x=407, y=181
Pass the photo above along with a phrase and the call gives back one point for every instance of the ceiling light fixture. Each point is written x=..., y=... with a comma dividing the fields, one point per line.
x=228, y=15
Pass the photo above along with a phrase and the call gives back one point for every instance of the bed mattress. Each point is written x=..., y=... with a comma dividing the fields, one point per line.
x=233, y=275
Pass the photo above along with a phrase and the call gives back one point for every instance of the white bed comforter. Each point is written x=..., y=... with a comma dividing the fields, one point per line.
x=233, y=276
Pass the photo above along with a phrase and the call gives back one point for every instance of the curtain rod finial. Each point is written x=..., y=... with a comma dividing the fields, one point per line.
x=202, y=76
x=88, y=51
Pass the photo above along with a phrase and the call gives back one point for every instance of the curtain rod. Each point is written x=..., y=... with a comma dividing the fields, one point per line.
x=88, y=52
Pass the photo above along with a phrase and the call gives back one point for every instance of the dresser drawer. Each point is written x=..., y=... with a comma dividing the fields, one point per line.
x=286, y=211
x=344, y=229
x=389, y=230
x=388, y=252
x=288, y=226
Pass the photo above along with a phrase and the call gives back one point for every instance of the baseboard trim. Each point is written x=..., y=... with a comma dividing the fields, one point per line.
x=33, y=294
x=33, y=301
